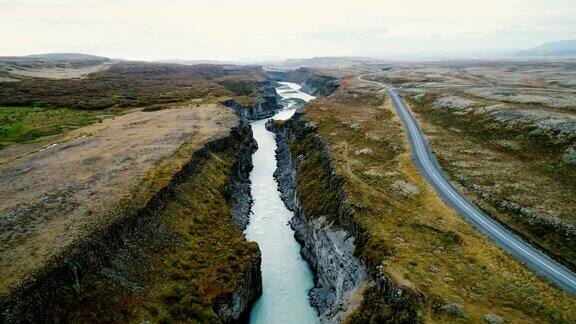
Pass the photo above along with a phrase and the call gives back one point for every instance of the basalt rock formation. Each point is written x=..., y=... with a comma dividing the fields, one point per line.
x=264, y=106
x=332, y=240
x=327, y=247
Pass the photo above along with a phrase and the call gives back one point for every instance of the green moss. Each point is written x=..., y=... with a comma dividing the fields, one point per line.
x=375, y=251
x=315, y=191
x=375, y=309
x=18, y=125
x=214, y=255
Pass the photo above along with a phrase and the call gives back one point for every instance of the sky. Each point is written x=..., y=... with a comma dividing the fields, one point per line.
x=260, y=30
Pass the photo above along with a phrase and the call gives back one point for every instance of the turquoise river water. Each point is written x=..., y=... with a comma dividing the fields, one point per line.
x=286, y=278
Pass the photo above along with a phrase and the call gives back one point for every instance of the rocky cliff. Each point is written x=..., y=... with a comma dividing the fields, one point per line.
x=147, y=267
x=265, y=104
x=236, y=307
x=313, y=82
x=238, y=191
x=326, y=246
x=332, y=240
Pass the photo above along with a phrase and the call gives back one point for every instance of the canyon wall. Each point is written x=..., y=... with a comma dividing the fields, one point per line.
x=326, y=246
x=110, y=273
x=265, y=105
x=332, y=240
x=313, y=83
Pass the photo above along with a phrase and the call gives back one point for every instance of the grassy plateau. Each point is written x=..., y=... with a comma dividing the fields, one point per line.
x=406, y=232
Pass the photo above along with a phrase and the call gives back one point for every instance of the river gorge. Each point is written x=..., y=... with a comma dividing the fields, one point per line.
x=286, y=277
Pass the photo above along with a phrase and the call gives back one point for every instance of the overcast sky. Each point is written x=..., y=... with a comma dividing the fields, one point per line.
x=259, y=29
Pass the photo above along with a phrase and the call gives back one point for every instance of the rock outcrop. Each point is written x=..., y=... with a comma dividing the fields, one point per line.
x=333, y=242
x=236, y=307
x=320, y=85
x=238, y=190
x=264, y=106
x=313, y=83
x=328, y=248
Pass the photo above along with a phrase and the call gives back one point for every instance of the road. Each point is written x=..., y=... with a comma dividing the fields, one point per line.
x=533, y=258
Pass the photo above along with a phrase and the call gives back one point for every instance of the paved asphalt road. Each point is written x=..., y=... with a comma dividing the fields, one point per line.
x=535, y=259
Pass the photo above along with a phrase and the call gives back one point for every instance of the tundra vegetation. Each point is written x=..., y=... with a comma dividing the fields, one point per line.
x=135, y=84
x=152, y=237
x=179, y=267
x=34, y=107
x=506, y=133
x=405, y=233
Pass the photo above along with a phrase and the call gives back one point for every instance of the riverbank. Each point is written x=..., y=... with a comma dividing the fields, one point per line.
x=340, y=278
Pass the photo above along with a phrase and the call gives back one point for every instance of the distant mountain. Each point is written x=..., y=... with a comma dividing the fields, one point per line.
x=219, y=62
x=559, y=48
x=195, y=62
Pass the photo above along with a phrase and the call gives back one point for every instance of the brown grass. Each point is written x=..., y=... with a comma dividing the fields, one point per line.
x=425, y=244
x=140, y=156
x=194, y=257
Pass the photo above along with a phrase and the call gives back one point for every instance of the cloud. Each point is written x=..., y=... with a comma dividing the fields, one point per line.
x=232, y=29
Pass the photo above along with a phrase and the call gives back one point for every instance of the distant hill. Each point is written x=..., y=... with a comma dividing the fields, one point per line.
x=55, y=57
x=558, y=48
x=69, y=56
x=326, y=62
x=52, y=65
x=220, y=62
x=196, y=62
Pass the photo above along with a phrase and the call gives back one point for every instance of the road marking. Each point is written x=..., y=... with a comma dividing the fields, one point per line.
x=415, y=133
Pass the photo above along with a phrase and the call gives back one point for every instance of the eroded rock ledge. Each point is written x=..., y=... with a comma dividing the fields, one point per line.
x=313, y=83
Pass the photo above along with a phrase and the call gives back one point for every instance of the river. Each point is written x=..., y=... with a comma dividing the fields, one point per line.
x=286, y=277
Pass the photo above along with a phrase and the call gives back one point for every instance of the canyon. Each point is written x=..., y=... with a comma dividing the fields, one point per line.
x=277, y=195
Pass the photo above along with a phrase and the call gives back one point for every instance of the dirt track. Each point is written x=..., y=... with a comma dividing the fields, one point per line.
x=53, y=195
